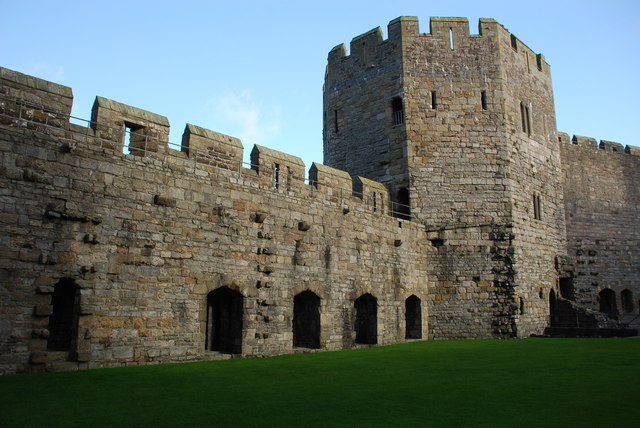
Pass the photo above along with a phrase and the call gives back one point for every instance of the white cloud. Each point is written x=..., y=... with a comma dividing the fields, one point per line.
x=46, y=71
x=243, y=116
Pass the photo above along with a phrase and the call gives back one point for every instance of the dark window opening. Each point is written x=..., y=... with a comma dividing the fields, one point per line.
x=514, y=42
x=566, y=288
x=224, y=321
x=413, y=318
x=537, y=207
x=539, y=61
x=526, y=121
x=528, y=118
x=63, y=322
x=335, y=121
x=306, y=320
x=451, y=44
x=434, y=100
x=135, y=142
x=626, y=298
x=276, y=176
x=483, y=100
x=366, y=326
x=402, y=209
x=607, y=299
x=397, y=110
x=375, y=202
x=363, y=54
x=522, y=306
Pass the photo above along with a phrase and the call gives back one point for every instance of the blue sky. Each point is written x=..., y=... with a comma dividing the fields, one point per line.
x=254, y=69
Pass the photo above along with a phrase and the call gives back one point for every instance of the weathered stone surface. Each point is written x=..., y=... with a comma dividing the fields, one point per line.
x=466, y=210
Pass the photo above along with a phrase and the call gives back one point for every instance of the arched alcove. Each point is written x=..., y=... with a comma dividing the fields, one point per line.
x=413, y=318
x=366, y=326
x=224, y=321
x=63, y=322
x=306, y=320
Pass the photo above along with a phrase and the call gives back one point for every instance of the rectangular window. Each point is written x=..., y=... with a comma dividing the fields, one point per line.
x=335, y=121
x=537, y=207
x=451, y=46
x=276, y=176
x=434, y=100
x=483, y=99
x=397, y=110
x=514, y=42
x=525, y=116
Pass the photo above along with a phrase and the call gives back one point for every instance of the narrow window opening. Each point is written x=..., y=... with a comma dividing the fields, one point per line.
x=135, y=142
x=413, y=318
x=539, y=61
x=276, y=176
x=306, y=320
x=451, y=45
x=522, y=117
x=224, y=321
x=366, y=323
x=397, y=109
x=522, y=307
x=289, y=177
x=335, y=121
x=63, y=322
x=434, y=100
x=363, y=54
x=528, y=62
x=483, y=99
x=528, y=117
x=375, y=202
x=537, y=207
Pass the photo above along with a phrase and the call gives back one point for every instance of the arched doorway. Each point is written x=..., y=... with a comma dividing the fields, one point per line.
x=224, y=321
x=413, y=318
x=366, y=307
x=306, y=320
x=63, y=322
x=626, y=298
x=608, y=303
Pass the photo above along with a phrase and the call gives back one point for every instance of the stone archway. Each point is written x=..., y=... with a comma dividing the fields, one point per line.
x=224, y=321
x=306, y=320
x=63, y=322
x=608, y=303
x=366, y=325
x=413, y=318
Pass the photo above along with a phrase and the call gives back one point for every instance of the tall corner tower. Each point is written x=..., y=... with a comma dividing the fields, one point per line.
x=460, y=127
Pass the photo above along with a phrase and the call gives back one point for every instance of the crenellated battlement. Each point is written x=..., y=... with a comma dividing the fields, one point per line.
x=592, y=143
x=450, y=32
x=124, y=130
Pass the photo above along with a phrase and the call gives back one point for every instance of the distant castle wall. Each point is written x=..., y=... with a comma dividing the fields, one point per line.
x=602, y=199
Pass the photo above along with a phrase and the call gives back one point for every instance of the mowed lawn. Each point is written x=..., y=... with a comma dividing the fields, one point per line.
x=509, y=383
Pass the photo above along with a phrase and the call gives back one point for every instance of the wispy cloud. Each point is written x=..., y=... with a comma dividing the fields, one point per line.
x=245, y=118
x=46, y=71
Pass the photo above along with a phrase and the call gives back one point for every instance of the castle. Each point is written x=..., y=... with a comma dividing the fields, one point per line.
x=448, y=207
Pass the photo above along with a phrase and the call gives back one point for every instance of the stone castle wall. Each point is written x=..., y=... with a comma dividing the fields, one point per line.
x=602, y=198
x=147, y=236
x=449, y=207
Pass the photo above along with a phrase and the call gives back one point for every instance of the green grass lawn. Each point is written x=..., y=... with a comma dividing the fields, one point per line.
x=511, y=383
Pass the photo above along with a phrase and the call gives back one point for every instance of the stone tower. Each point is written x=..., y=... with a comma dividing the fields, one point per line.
x=461, y=129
